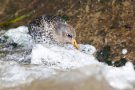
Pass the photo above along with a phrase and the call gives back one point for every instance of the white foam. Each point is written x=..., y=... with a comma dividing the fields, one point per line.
x=60, y=57
x=120, y=77
x=13, y=74
x=20, y=36
x=50, y=59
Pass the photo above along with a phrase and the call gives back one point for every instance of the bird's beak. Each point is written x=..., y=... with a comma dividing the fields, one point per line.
x=74, y=43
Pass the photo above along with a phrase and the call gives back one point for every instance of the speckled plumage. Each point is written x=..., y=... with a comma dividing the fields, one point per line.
x=41, y=29
x=45, y=28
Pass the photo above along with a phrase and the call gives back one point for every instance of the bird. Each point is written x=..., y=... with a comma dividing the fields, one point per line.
x=51, y=29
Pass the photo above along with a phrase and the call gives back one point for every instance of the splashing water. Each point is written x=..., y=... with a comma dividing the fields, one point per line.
x=29, y=62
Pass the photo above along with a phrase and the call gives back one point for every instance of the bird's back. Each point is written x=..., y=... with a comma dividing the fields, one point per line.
x=42, y=28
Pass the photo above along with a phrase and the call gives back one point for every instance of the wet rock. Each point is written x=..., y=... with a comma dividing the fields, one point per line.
x=103, y=55
x=13, y=44
x=3, y=39
x=120, y=63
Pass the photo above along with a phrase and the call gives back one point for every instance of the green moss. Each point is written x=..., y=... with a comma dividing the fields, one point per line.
x=105, y=1
x=66, y=18
x=2, y=1
x=119, y=1
x=14, y=20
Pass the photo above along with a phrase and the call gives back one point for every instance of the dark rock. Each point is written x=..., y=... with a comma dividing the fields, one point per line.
x=103, y=55
x=121, y=62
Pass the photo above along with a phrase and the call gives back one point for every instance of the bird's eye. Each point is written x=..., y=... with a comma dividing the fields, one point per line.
x=70, y=36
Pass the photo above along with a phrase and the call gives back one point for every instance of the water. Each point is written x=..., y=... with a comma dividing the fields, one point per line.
x=31, y=67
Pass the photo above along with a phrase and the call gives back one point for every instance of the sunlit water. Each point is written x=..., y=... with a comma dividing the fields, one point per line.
x=31, y=67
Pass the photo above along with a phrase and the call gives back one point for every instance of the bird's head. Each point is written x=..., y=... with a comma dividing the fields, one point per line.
x=65, y=33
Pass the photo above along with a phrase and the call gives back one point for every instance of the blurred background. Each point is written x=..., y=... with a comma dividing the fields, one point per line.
x=109, y=25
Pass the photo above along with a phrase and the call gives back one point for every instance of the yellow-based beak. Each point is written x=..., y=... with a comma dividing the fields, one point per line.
x=74, y=43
